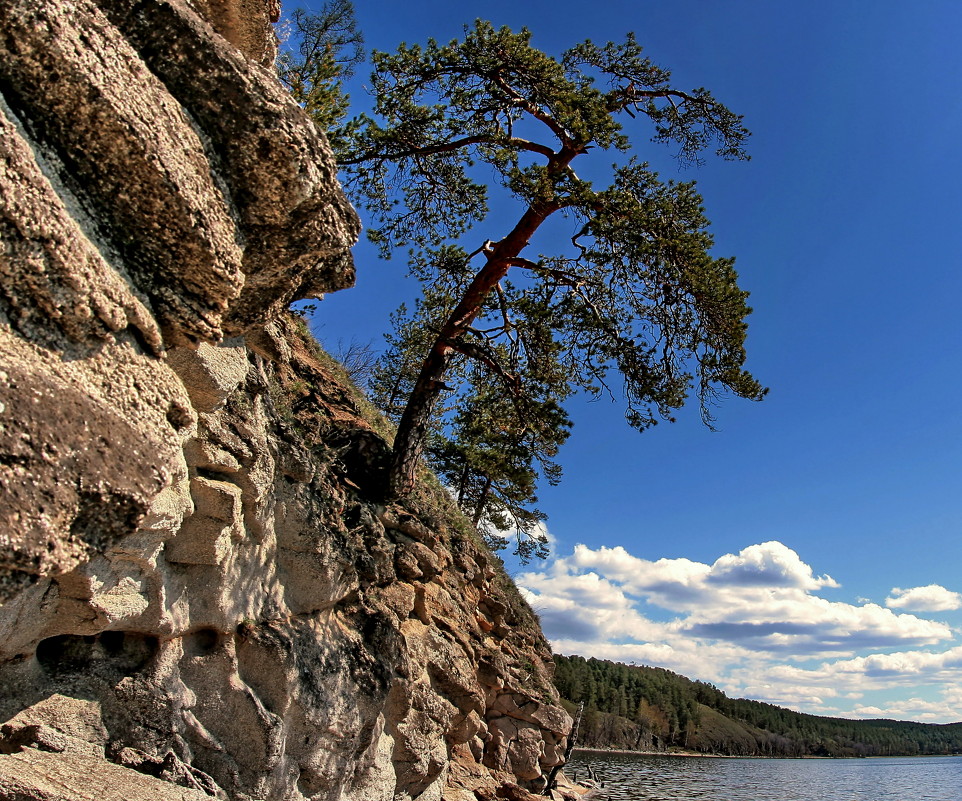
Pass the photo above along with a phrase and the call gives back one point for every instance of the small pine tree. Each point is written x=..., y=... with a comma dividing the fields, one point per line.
x=321, y=50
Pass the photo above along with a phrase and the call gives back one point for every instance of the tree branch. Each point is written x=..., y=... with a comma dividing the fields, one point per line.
x=449, y=147
x=563, y=276
x=630, y=95
x=503, y=304
x=522, y=102
x=479, y=353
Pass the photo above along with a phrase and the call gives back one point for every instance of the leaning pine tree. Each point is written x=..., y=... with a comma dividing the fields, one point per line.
x=629, y=296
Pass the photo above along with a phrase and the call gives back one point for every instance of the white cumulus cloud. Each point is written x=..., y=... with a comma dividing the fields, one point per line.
x=752, y=623
x=930, y=598
x=761, y=599
x=770, y=564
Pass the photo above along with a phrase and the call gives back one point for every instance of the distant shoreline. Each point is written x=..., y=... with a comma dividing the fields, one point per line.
x=701, y=755
x=657, y=753
x=628, y=752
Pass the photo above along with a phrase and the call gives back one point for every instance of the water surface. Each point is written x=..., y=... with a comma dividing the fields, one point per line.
x=629, y=777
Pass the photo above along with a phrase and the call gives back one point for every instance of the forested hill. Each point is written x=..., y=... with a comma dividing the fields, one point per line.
x=646, y=708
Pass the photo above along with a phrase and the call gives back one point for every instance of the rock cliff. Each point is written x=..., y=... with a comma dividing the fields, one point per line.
x=201, y=595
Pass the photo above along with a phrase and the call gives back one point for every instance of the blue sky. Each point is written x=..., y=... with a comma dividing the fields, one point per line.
x=808, y=553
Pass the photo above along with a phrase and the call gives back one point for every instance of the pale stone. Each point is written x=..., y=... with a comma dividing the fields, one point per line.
x=205, y=537
x=125, y=599
x=467, y=729
x=60, y=724
x=210, y=373
x=524, y=752
x=44, y=776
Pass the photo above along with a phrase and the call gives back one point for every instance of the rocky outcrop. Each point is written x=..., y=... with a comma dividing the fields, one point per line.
x=202, y=595
x=156, y=189
x=270, y=632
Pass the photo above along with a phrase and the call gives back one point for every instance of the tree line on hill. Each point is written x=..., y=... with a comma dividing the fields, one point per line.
x=651, y=709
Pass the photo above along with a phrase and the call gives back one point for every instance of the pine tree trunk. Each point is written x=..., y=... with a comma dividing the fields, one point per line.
x=412, y=430
x=482, y=503
x=413, y=426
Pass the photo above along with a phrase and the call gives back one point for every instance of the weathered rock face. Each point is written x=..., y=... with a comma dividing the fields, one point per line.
x=202, y=596
x=156, y=189
x=271, y=633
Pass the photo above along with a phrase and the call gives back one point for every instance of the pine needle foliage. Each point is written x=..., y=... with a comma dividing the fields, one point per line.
x=629, y=302
x=322, y=50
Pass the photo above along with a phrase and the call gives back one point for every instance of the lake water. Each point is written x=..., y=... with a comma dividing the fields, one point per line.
x=664, y=778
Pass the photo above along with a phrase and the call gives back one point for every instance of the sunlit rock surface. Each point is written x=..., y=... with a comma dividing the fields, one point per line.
x=202, y=596
x=156, y=189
